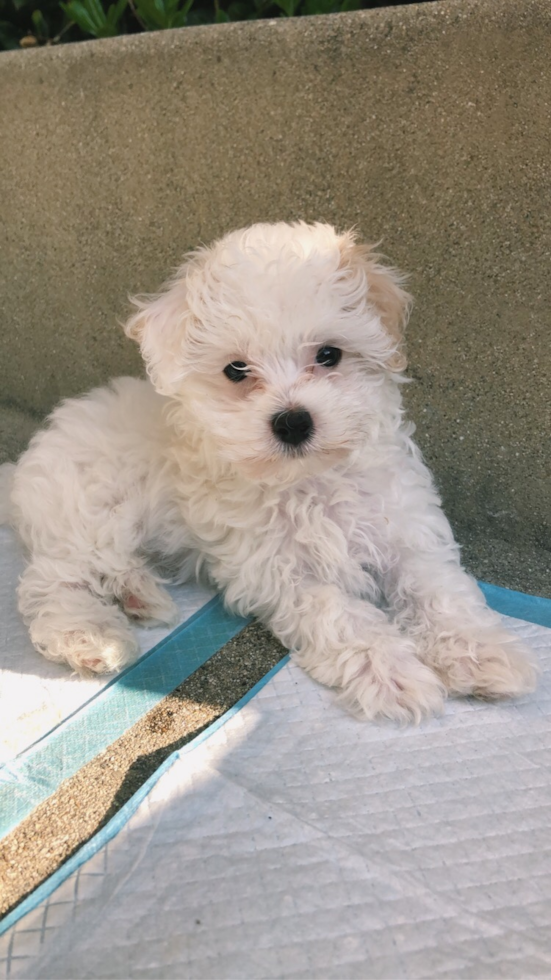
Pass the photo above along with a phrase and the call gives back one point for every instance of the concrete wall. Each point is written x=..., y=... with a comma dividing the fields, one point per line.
x=427, y=126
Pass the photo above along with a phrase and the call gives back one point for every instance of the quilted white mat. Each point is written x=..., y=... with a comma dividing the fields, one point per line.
x=298, y=842
x=36, y=694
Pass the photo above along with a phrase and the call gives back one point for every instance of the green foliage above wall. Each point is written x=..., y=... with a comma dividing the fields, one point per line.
x=28, y=23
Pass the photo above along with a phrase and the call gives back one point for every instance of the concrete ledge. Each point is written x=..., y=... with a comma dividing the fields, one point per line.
x=427, y=126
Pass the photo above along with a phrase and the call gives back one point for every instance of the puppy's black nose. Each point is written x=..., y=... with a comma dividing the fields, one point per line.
x=293, y=427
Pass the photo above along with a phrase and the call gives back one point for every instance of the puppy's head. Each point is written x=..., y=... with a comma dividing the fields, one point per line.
x=277, y=341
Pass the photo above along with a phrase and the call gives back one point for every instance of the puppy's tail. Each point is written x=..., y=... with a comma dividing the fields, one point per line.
x=7, y=471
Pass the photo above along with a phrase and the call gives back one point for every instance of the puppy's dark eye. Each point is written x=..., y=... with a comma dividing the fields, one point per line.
x=328, y=356
x=236, y=371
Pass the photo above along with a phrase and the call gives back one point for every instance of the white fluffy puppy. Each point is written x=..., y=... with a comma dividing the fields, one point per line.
x=269, y=452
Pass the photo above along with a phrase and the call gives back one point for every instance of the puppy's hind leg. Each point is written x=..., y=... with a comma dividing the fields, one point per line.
x=70, y=622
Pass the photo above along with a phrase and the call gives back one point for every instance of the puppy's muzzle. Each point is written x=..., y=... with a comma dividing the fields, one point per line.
x=293, y=427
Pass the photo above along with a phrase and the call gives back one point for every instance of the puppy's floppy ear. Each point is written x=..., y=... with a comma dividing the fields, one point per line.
x=383, y=288
x=159, y=327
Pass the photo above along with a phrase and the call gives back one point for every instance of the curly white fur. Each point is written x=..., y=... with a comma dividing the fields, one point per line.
x=339, y=544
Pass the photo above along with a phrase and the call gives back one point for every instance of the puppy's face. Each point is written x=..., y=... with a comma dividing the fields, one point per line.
x=276, y=341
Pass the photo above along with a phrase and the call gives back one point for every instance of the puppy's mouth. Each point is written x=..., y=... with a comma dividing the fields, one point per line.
x=289, y=464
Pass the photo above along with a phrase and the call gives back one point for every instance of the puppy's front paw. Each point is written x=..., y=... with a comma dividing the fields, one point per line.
x=492, y=665
x=90, y=650
x=384, y=685
x=101, y=653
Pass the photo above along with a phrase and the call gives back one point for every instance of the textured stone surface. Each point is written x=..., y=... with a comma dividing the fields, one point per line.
x=426, y=126
x=16, y=428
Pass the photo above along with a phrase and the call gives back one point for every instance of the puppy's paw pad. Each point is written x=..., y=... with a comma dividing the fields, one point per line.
x=133, y=603
x=160, y=614
x=144, y=600
x=93, y=664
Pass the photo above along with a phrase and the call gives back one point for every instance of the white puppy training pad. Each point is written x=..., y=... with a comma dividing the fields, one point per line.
x=294, y=841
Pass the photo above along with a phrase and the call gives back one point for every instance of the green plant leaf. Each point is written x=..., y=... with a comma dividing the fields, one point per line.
x=95, y=11
x=119, y=7
x=115, y=13
x=287, y=6
x=90, y=16
x=162, y=14
x=40, y=26
x=149, y=14
x=77, y=13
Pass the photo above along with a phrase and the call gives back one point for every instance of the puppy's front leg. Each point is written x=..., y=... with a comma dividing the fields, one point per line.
x=441, y=607
x=350, y=645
